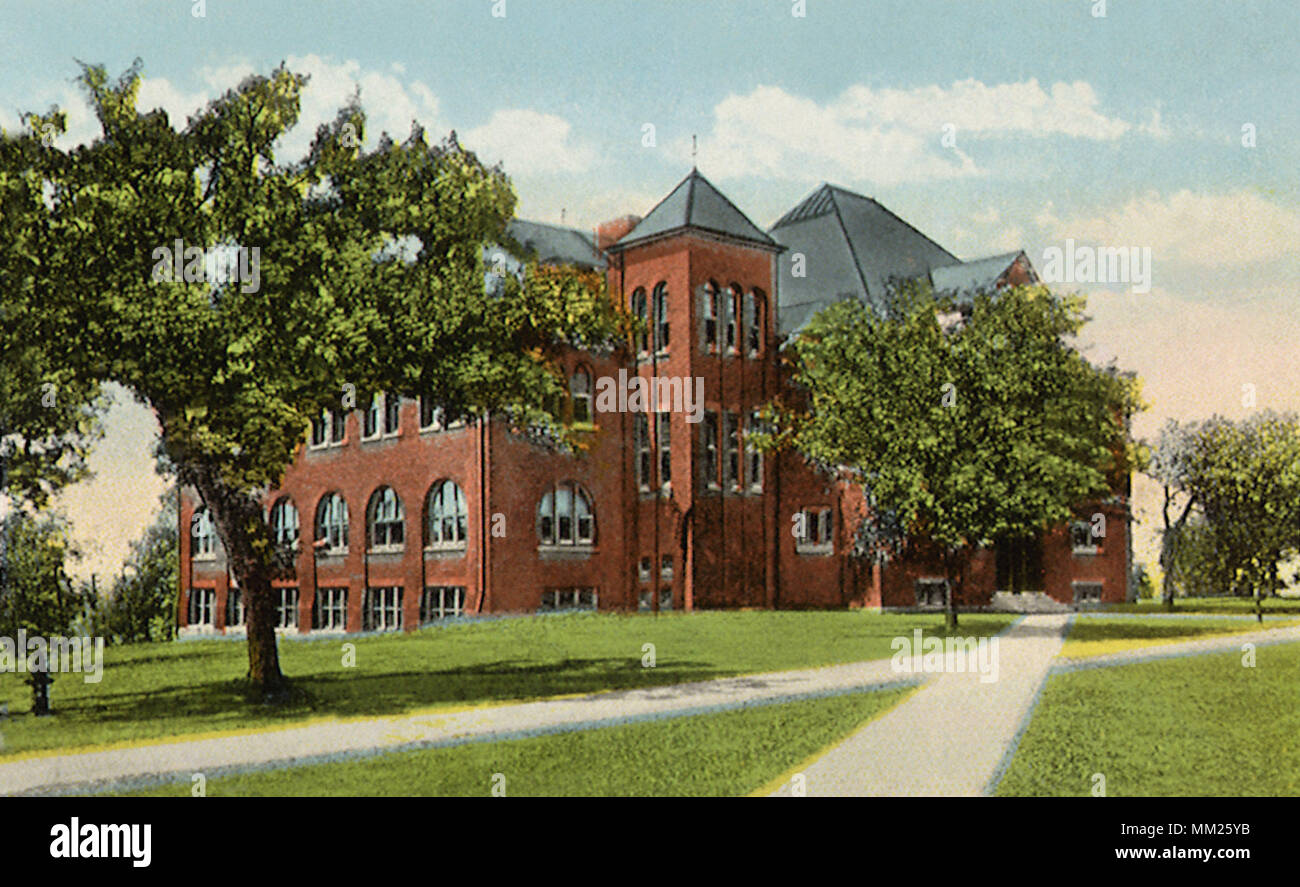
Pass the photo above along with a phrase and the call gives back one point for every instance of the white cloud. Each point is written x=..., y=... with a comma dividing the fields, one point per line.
x=1208, y=230
x=891, y=136
x=529, y=143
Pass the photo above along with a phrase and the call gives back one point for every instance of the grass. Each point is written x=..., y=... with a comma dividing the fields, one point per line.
x=1243, y=606
x=154, y=691
x=725, y=754
x=1094, y=636
x=1204, y=725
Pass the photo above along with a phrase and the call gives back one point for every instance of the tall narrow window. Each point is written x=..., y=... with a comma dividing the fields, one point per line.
x=661, y=317
x=386, y=519
x=203, y=534
x=755, y=331
x=332, y=523
x=338, y=424
x=732, y=307
x=383, y=610
x=709, y=435
x=580, y=391
x=448, y=516
x=284, y=523
x=320, y=429
x=286, y=607
x=372, y=417
x=392, y=412
x=664, y=438
x=641, y=431
x=754, y=456
x=640, y=310
x=329, y=610
x=731, y=437
x=430, y=413
x=711, y=316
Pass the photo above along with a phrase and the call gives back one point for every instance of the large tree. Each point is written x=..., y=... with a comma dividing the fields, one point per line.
x=963, y=424
x=1244, y=479
x=369, y=276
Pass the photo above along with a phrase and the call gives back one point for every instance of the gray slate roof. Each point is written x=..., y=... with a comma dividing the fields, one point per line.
x=695, y=203
x=557, y=245
x=852, y=246
x=974, y=276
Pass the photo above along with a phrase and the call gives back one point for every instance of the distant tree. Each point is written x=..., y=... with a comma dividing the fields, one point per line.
x=369, y=277
x=141, y=605
x=962, y=426
x=1244, y=478
x=36, y=595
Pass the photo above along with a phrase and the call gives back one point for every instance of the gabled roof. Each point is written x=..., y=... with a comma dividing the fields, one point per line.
x=852, y=246
x=554, y=244
x=976, y=275
x=695, y=204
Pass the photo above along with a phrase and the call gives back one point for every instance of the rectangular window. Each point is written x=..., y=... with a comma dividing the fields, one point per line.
x=568, y=599
x=754, y=456
x=320, y=429
x=666, y=568
x=338, y=426
x=641, y=430
x=711, y=320
x=709, y=435
x=370, y=418
x=441, y=602
x=1082, y=540
x=731, y=437
x=665, y=599
x=661, y=319
x=815, y=531
x=384, y=609
x=931, y=592
x=665, y=439
x=286, y=607
x=202, y=603
x=732, y=307
x=330, y=609
x=1087, y=592
x=754, y=317
x=643, y=573
x=235, y=615
x=430, y=414
x=392, y=412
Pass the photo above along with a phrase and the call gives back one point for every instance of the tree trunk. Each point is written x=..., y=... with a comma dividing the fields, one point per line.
x=40, y=681
x=953, y=571
x=248, y=547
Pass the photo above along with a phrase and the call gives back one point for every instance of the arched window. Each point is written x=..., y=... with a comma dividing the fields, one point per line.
x=661, y=316
x=386, y=519
x=448, y=516
x=332, y=523
x=640, y=312
x=754, y=310
x=710, y=315
x=203, y=533
x=733, y=307
x=565, y=516
x=284, y=523
x=580, y=391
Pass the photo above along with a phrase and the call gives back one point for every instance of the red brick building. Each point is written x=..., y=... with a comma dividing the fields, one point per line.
x=403, y=515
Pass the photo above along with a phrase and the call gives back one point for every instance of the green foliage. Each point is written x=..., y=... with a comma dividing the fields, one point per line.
x=963, y=428
x=369, y=277
x=1240, y=485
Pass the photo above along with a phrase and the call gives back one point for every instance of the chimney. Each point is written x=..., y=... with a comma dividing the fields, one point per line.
x=609, y=232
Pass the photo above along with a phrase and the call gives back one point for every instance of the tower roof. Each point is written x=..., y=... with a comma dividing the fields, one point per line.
x=696, y=204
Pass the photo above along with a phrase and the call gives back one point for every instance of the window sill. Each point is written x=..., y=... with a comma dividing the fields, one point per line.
x=332, y=552
x=566, y=552
x=1091, y=551
x=456, y=550
x=386, y=549
x=814, y=550
x=389, y=435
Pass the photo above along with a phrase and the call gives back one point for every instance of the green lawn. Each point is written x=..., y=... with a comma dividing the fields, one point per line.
x=1203, y=725
x=1240, y=605
x=151, y=691
x=730, y=753
x=1096, y=635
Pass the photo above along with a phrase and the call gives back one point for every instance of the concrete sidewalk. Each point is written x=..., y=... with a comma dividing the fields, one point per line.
x=950, y=737
x=314, y=743
x=1204, y=646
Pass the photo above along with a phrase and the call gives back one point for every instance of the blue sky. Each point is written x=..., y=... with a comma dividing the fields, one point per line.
x=1122, y=130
